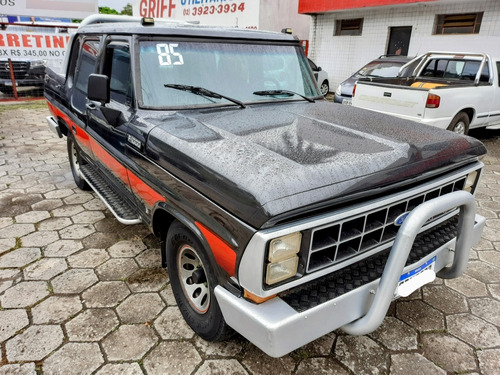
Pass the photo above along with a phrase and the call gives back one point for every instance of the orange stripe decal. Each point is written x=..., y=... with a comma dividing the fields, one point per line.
x=223, y=253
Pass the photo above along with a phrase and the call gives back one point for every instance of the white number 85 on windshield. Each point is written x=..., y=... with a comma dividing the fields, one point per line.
x=166, y=54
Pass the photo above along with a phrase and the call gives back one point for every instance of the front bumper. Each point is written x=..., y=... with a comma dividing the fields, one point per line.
x=277, y=328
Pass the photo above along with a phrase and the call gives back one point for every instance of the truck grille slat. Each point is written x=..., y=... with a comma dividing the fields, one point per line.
x=355, y=235
x=367, y=270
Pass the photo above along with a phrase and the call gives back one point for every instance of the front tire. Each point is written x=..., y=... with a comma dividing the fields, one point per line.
x=75, y=161
x=324, y=88
x=193, y=281
x=460, y=124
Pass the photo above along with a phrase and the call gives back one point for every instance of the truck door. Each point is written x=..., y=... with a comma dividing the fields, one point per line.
x=494, y=117
x=83, y=62
x=108, y=122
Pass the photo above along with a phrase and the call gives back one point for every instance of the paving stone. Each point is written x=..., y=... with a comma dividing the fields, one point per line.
x=39, y=239
x=165, y=359
x=18, y=369
x=168, y=296
x=62, y=248
x=24, y=294
x=149, y=258
x=495, y=291
x=322, y=346
x=76, y=231
x=88, y=217
x=126, y=249
x=221, y=367
x=116, y=269
x=56, y=309
x=6, y=244
x=78, y=198
x=119, y=346
x=148, y=280
x=5, y=222
x=46, y=204
x=468, y=286
x=413, y=363
x=492, y=257
x=106, y=294
x=171, y=325
x=32, y=217
x=420, y=316
x=75, y=359
x=45, y=269
x=74, y=281
x=56, y=223
x=95, y=205
x=59, y=193
x=91, y=325
x=120, y=369
x=395, y=335
x=258, y=363
x=450, y=353
x=489, y=361
x=230, y=347
x=19, y=257
x=361, y=355
x=89, y=258
x=67, y=211
x=318, y=366
x=444, y=299
x=35, y=343
x=16, y=230
x=487, y=309
x=473, y=330
x=11, y=322
x=101, y=240
x=140, y=308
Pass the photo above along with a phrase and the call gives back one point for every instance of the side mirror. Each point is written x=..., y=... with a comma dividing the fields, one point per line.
x=98, y=88
x=319, y=69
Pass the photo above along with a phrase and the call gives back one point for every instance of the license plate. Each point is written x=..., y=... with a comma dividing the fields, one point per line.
x=347, y=101
x=416, y=278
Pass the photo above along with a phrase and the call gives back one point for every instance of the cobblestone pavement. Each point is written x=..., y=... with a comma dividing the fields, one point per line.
x=81, y=293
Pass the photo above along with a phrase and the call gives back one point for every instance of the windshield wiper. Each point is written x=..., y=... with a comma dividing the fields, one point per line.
x=203, y=92
x=281, y=92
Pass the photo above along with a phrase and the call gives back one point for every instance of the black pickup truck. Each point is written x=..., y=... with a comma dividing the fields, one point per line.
x=281, y=215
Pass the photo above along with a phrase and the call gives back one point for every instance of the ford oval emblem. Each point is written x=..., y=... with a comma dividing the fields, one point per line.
x=400, y=219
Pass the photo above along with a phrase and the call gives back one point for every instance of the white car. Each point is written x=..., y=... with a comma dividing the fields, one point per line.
x=321, y=77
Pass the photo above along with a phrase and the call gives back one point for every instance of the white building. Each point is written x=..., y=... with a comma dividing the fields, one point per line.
x=346, y=34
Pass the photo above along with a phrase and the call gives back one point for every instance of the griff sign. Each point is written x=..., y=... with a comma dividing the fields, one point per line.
x=239, y=13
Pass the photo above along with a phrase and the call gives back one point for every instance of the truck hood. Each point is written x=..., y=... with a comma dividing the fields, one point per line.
x=269, y=160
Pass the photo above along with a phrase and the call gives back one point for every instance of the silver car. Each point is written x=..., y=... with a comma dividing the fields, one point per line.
x=321, y=77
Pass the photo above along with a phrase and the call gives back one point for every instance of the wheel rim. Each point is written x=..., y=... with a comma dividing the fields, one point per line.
x=324, y=89
x=459, y=127
x=75, y=165
x=193, y=279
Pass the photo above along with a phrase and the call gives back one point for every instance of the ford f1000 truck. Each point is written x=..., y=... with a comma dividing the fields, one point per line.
x=280, y=215
x=454, y=91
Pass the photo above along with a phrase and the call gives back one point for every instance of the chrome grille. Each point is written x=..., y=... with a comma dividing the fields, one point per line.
x=20, y=69
x=355, y=235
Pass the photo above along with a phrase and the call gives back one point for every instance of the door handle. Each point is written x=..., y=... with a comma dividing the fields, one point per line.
x=91, y=106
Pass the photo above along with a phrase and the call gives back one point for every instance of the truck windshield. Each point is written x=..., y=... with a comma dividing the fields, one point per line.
x=232, y=70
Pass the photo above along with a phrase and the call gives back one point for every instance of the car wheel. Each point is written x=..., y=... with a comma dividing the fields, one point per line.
x=192, y=280
x=460, y=123
x=325, y=88
x=75, y=160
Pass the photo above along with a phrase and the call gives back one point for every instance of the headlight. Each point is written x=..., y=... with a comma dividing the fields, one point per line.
x=282, y=257
x=338, y=92
x=470, y=183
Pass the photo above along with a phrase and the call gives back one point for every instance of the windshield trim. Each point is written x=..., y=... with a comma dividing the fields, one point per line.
x=182, y=38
